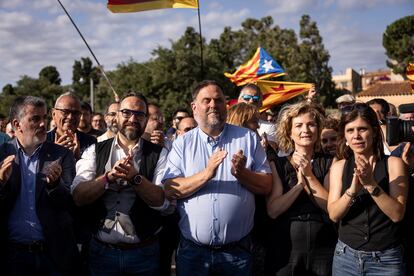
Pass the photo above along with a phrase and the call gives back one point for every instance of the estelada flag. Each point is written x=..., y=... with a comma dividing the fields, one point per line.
x=144, y=5
x=277, y=92
x=410, y=74
x=260, y=66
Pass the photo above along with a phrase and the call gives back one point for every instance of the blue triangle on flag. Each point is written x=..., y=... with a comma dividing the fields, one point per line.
x=267, y=64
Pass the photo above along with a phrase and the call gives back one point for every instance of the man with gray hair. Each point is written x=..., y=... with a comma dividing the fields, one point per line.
x=35, y=177
x=66, y=114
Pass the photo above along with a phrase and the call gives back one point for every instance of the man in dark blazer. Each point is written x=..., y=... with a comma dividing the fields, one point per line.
x=35, y=176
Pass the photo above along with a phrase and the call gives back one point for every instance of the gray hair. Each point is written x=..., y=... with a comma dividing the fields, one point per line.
x=17, y=108
x=68, y=94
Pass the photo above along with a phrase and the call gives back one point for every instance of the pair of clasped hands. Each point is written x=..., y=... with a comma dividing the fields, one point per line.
x=70, y=141
x=363, y=174
x=123, y=169
x=50, y=170
x=238, y=162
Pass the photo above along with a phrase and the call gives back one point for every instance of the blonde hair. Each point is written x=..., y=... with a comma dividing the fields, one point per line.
x=239, y=114
x=284, y=123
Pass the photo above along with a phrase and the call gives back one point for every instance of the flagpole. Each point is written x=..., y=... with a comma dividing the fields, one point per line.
x=116, y=96
x=201, y=39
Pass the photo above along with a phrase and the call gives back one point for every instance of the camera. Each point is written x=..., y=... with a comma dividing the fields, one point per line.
x=400, y=130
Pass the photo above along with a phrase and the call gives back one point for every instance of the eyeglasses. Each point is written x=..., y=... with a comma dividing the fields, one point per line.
x=127, y=113
x=112, y=114
x=250, y=97
x=349, y=108
x=67, y=112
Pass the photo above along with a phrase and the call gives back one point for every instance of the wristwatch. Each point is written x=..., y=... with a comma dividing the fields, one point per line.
x=376, y=191
x=136, y=180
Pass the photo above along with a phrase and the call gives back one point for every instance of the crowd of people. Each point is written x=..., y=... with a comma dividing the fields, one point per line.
x=226, y=190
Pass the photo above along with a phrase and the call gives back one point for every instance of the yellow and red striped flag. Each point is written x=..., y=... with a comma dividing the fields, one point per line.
x=410, y=74
x=144, y=5
x=277, y=92
x=260, y=66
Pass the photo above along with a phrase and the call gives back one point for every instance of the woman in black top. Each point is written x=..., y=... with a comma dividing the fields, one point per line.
x=367, y=196
x=302, y=237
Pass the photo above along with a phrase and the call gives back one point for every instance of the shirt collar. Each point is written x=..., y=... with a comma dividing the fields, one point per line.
x=135, y=149
x=21, y=149
x=210, y=140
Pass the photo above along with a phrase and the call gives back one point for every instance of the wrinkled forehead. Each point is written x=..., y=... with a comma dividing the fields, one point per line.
x=113, y=107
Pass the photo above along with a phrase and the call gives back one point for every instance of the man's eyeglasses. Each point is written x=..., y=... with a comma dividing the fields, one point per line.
x=127, y=113
x=250, y=97
x=351, y=107
x=67, y=112
x=112, y=114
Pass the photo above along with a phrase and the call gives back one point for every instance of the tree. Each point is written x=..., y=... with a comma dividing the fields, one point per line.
x=82, y=71
x=314, y=61
x=398, y=41
x=50, y=74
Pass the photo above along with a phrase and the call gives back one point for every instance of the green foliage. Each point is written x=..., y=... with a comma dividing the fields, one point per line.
x=398, y=41
x=50, y=74
x=169, y=77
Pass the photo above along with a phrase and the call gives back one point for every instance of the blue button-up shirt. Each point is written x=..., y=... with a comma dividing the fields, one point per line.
x=222, y=210
x=24, y=225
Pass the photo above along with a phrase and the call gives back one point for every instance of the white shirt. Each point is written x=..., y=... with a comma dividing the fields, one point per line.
x=120, y=230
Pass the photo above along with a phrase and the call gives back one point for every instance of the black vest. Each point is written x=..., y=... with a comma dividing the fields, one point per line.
x=365, y=226
x=145, y=219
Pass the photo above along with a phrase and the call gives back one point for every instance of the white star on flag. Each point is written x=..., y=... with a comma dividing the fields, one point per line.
x=268, y=65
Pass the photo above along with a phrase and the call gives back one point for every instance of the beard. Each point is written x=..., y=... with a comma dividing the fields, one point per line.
x=113, y=127
x=215, y=122
x=134, y=133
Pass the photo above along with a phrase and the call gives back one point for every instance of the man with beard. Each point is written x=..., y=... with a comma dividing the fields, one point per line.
x=115, y=181
x=110, y=120
x=35, y=179
x=66, y=114
x=85, y=121
x=154, y=129
x=214, y=171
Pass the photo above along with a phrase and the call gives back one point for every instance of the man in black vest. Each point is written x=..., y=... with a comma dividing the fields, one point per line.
x=115, y=182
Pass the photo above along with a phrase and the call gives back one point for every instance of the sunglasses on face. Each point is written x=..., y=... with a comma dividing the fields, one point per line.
x=67, y=112
x=250, y=97
x=349, y=108
x=128, y=113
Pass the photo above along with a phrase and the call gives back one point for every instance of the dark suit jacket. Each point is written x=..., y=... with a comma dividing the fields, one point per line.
x=51, y=206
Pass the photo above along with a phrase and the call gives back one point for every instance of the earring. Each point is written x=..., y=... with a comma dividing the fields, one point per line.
x=346, y=143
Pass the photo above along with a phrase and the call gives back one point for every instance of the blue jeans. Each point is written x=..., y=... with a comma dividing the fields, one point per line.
x=193, y=259
x=104, y=260
x=349, y=262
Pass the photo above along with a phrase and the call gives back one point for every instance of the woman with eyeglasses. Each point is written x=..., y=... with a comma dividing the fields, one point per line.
x=302, y=238
x=367, y=197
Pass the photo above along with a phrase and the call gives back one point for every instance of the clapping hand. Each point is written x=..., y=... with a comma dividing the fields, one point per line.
x=215, y=160
x=238, y=163
x=364, y=170
x=6, y=168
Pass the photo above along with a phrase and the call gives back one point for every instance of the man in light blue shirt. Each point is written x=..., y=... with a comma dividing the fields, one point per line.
x=214, y=171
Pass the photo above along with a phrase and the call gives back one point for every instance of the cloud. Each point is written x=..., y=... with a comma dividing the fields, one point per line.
x=291, y=7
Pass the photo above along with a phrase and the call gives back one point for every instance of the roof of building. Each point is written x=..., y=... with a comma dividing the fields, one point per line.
x=387, y=88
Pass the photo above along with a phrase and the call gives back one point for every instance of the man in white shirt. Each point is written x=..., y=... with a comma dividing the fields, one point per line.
x=115, y=182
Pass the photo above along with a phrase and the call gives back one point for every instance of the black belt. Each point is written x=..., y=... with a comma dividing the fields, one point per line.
x=128, y=246
x=36, y=246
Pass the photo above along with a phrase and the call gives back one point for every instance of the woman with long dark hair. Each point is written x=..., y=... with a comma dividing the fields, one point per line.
x=367, y=197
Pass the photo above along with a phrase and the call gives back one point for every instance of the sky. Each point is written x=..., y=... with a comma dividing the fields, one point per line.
x=35, y=34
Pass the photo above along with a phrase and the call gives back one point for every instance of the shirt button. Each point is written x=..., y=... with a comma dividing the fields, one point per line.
x=366, y=238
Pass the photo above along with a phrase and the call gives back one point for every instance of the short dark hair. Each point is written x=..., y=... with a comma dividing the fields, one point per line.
x=111, y=103
x=86, y=106
x=180, y=110
x=136, y=95
x=385, y=108
x=206, y=83
x=17, y=107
